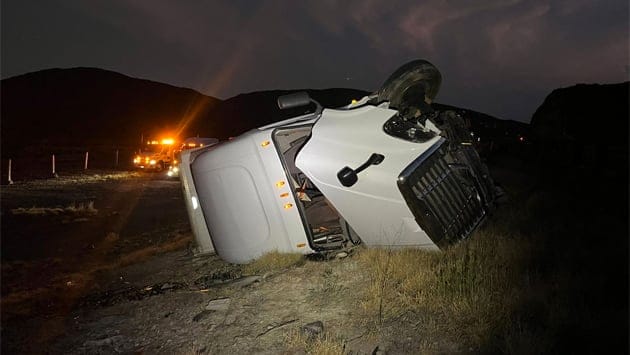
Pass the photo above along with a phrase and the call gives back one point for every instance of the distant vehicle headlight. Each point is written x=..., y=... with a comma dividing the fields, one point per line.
x=152, y=162
x=175, y=169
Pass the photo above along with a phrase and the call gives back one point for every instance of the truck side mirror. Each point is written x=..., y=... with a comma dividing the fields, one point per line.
x=348, y=177
x=294, y=100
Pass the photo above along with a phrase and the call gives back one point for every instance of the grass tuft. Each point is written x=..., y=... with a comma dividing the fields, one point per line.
x=74, y=209
x=273, y=261
x=326, y=344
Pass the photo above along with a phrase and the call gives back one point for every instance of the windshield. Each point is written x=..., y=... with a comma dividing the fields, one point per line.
x=152, y=148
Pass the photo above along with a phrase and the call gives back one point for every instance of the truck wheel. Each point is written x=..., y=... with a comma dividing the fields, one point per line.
x=413, y=82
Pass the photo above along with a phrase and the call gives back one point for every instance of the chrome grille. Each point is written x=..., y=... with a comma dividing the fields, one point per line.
x=442, y=195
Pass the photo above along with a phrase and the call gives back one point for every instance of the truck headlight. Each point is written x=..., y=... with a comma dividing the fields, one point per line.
x=152, y=162
x=194, y=202
x=409, y=129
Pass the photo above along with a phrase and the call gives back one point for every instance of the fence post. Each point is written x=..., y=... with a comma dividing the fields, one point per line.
x=116, y=161
x=54, y=173
x=10, y=181
x=86, y=161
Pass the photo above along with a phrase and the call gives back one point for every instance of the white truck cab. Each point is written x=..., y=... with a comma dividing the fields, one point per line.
x=382, y=172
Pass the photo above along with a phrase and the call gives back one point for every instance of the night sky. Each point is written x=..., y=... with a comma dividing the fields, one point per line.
x=498, y=57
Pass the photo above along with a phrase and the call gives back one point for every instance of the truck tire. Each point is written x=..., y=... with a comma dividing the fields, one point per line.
x=416, y=81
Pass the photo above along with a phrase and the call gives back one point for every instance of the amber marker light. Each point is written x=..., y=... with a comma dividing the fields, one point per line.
x=279, y=184
x=265, y=143
x=287, y=206
x=286, y=194
x=301, y=245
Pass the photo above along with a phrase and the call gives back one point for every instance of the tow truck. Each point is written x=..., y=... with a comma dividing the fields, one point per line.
x=156, y=155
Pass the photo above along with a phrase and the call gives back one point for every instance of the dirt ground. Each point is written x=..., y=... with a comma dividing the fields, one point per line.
x=60, y=235
x=121, y=277
x=254, y=314
x=103, y=263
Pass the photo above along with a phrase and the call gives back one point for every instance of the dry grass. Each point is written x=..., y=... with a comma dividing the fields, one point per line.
x=74, y=209
x=473, y=284
x=326, y=344
x=486, y=292
x=539, y=272
x=272, y=262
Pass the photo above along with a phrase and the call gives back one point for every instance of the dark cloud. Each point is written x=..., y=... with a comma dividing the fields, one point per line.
x=499, y=57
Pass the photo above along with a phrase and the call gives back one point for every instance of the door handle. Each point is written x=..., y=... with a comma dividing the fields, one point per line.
x=348, y=176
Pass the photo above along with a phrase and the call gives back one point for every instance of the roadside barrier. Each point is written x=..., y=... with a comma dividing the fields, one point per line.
x=39, y=165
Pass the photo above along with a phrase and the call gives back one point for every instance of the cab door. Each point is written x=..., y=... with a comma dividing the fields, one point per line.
x=355, y=164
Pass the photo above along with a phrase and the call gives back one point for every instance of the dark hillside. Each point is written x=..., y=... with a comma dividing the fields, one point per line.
x=58, y=109
x=246, y=111
x=584, y=125
x=494, y=136
x=257, y=109
x=87, y=106
x=581, y=140
x=83, y=107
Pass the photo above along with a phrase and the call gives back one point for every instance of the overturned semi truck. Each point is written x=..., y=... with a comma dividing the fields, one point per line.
x=385, y=171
